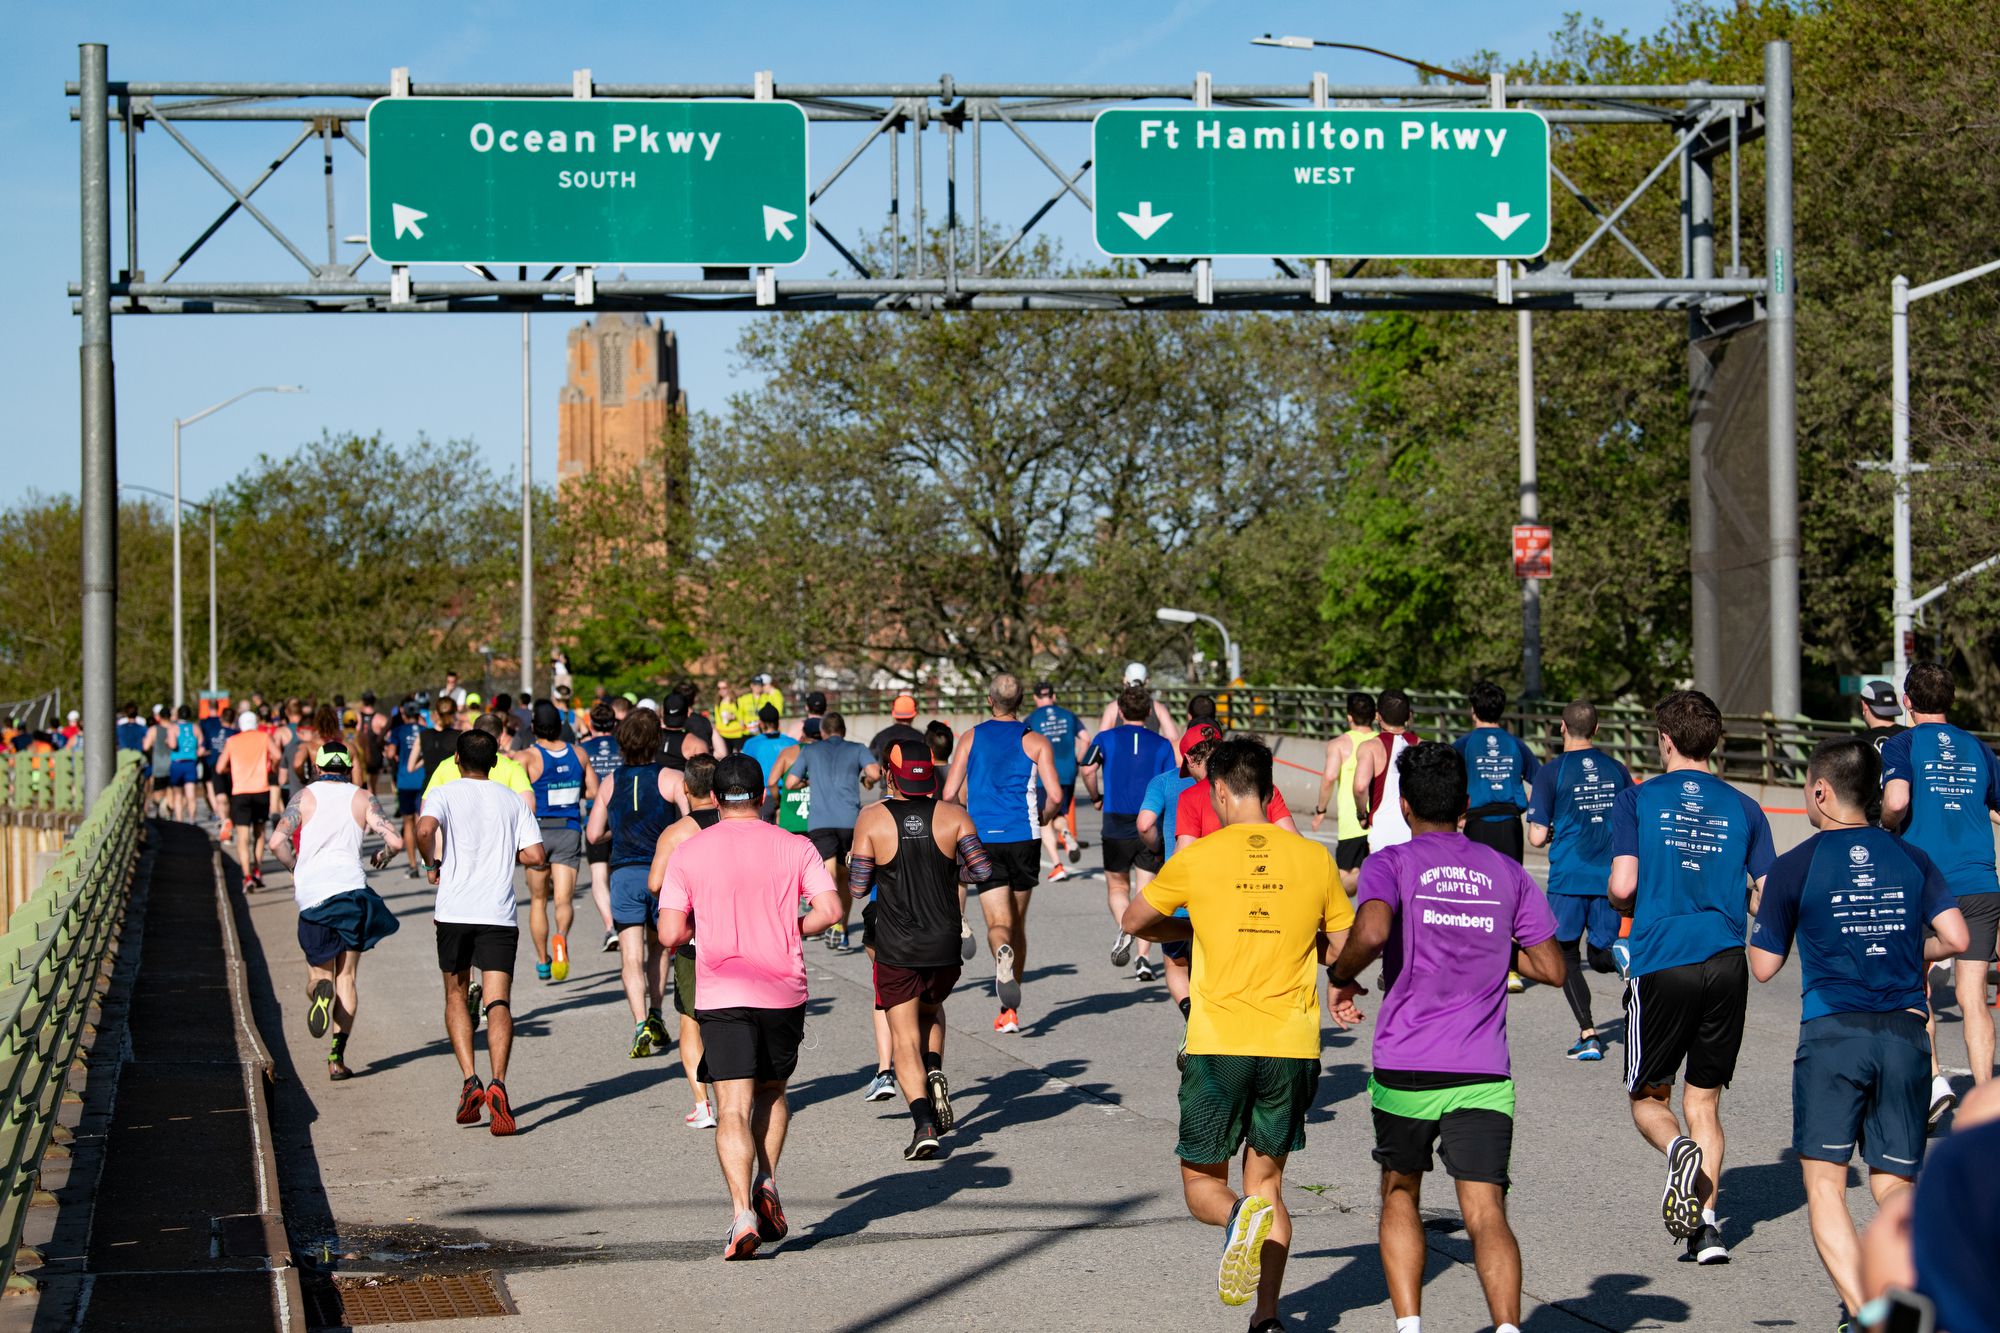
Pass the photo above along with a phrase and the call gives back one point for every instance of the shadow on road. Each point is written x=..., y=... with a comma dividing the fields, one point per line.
x=1104, y=1002
x=1763, y=1192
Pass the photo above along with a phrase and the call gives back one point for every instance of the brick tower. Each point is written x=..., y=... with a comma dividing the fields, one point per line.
x=624, y=388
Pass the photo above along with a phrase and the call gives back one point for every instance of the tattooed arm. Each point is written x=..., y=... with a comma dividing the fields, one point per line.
x=284, y=841
x=373, y=821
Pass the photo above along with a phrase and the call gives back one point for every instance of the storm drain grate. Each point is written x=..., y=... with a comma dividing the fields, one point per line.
x=355, y=1301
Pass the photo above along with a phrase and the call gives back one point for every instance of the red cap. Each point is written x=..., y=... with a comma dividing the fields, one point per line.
x=1196, y=734
x=904, y=708
x=915, y=774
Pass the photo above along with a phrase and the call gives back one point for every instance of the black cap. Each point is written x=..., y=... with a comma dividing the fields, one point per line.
x=1879, y=698
x=816, y=702
x=811, y=726
x=738, y=780
x=1044, y=687
x=768, y=713
x=674, y=710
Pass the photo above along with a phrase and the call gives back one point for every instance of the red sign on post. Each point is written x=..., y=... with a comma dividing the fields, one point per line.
x=1532, y=555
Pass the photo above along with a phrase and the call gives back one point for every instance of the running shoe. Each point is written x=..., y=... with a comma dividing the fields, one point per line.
x=610, y=941
x=1058, y=875
x=1243, y=1249
x=741, y=1242
x=1006, y=986
x=1942, y=1100
x=543, y=971
x=319, y=1013
x=1121, y=950
x=1621, y=955
x=966, y=944
x=882, y=1088
x=836, y=938
x=1180, y=1052
x=702, y=1117
x=657, y=1027
x=923, y=1143
x=771, y=1226
x=642, y=1042
x=558, y=958
x=227, y=831
x=1705, y=1245
x=473, y=997
x=410, y=871
x=1271, y=1325
x=471, y=1101
x=1145, y=969
x=1680, y=1208
x=1075, y=851
x=939, y=1088
x=1514, y=983
x=1008, y=1021
x=502, y=1115
x=1586, y=1048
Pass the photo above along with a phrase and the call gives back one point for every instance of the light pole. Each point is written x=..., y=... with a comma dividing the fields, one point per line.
x=209, y=509
x=1901, y=294
x=1174, y=615
x=527, y=525
x=179, y=682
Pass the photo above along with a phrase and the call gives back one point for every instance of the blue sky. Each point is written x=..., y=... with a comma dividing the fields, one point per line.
x=458, y=376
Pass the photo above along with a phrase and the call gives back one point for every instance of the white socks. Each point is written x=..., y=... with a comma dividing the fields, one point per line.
x=1708, y=1217
x=1508, y=1328
x=1410, y=1323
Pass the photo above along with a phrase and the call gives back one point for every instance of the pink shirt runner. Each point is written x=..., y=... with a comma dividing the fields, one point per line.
x=743, y=881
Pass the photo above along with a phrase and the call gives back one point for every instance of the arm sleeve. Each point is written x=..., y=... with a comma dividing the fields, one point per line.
x=1778, y=912
x=1624, y=824
x=860, y=874
x=1542, y=796
x=1533, y=919
x=973, y=865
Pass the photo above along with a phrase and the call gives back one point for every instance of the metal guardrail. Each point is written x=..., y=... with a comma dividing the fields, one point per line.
x=43, y=781
x=50, y=959
x=1764, y=749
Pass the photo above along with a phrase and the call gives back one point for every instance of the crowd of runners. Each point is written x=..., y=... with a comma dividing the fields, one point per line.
x=714, y=843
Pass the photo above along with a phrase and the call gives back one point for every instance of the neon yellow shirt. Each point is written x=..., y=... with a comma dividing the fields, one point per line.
x=507, y=772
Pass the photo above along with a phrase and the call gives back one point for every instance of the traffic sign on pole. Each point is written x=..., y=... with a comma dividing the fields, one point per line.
x=1353, y=183
x=1534, y=556
x=455, y=180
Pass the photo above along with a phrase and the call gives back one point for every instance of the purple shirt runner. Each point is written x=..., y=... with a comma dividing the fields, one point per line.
x=1459, y=909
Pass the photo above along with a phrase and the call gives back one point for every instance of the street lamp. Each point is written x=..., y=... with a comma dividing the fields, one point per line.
x=179, y=683
x=1308, y=43
x=1174, y=615
x=209, y=508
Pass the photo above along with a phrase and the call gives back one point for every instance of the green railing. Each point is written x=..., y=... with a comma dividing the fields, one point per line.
x=42, y=781
x=51, y=958
x=1763, y=749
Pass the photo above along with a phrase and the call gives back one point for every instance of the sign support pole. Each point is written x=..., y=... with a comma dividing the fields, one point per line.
x=100, y=436
x=1531, y=509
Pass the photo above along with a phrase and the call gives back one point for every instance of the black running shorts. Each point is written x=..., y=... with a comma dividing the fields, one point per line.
x=1121, y=854
x=761, y=1044
x=1349, y=853
x=833, y=843
x=488, y=948
x=1016, y=865
x=1982, y=921
x=1692, y=1015
x=250, y=807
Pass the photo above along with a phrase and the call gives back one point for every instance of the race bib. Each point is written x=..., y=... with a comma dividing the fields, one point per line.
x=565, y=795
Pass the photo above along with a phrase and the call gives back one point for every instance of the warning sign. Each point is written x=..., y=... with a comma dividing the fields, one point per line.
x=1532, y=555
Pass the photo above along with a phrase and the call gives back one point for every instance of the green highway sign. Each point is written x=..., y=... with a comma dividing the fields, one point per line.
x=1417, y=184
x=524, y=180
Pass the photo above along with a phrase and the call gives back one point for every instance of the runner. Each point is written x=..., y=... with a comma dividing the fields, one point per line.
x=248, y=758
x=507, y=770
x=185, y=771
x=1266, y=908
x=1685, y=847
x=899, y=732
x=703, y=811
x=633, y=809
x=1441, y=1075
x=1338, y=791
x=995, y=769
x=1857, y=899
x=838, y=769
x=790, y=808
x=1939, y=783
x=1158, y=815
x=1375, y=779
x=161, y=737
x=453, y=690
x=472, y=834
x=1120, y=762
x=912, y=851
x=599, y=745
x=1570, y=814
x=318, y=839
x=406, y=759
x=1157, y=717
x=563, y=784
x=743, y=880
x=131, y=731
x=1066, y=737
x=371, y=731
x=1879, y=711
x=214, y=787
x=1500, y=769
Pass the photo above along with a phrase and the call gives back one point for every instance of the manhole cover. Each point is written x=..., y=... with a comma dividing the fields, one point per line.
x=356, y=1301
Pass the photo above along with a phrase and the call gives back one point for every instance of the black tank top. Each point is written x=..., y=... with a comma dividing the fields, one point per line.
x=705, y=818
x=916, y=893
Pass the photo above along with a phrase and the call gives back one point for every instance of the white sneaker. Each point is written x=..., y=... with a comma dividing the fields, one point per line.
x=1942, y=1100
x=702, y=1117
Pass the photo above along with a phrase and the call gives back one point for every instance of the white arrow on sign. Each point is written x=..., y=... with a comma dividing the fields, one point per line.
x=777, y=222
x=1146, y=221
x=1505, y=222
x=407, y=219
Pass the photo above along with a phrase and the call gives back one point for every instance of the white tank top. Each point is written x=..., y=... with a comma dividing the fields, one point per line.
x=329, y=846
x=1388, y=827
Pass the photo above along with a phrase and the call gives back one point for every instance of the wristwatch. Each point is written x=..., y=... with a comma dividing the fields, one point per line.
x=434, y=866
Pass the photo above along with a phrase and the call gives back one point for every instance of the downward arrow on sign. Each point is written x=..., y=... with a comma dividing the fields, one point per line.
x=1505, y=222
x=1145, y=221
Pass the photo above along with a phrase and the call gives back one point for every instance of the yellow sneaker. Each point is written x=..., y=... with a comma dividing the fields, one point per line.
x=1243, y=1249
x=558, y=958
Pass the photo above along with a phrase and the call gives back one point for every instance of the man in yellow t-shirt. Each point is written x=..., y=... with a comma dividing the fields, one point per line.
x=507, y=772
x=1265, y=909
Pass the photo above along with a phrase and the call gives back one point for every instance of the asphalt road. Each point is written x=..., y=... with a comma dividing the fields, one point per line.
x=1057, y=1201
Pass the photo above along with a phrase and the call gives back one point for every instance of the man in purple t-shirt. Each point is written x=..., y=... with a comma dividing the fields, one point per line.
x=1448, y=917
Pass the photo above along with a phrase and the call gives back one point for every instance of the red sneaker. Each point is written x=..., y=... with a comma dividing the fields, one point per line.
x=741, y=1242
x=771, y=1226
x=471, y=1101
x=502, y=1122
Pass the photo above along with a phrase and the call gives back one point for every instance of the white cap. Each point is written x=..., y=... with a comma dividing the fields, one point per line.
x=246, y=721
x=74, y=715
x=653, y=704
x=1135, y=671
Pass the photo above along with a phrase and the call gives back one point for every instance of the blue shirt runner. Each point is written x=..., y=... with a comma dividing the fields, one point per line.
x=1953, y=781
x=1572, y=798
x=1699, y=842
